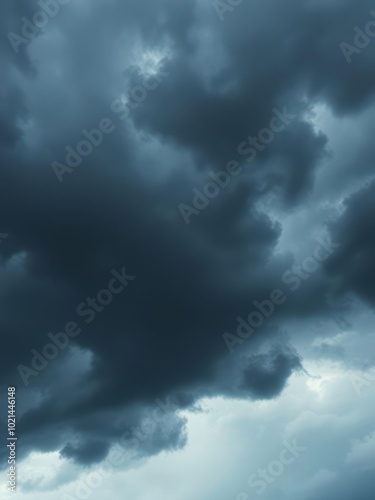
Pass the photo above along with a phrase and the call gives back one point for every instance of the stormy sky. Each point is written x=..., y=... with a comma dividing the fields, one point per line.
x=187, y=248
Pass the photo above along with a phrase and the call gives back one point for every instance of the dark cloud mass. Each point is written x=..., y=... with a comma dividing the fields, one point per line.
x=265, y=375
x=162, y=335
x=353, y=265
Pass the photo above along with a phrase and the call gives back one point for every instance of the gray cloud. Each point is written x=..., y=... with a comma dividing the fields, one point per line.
x=163, y=335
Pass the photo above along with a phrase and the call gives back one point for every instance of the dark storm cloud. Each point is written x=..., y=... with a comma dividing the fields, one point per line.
x=277, y=55
x=266, y=374
x=163, y=334
x=89, y=452
x=353, y=266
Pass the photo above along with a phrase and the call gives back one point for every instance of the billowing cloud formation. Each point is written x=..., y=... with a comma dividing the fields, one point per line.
x=265, y=375
x=167, y=96
x=354, y=264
